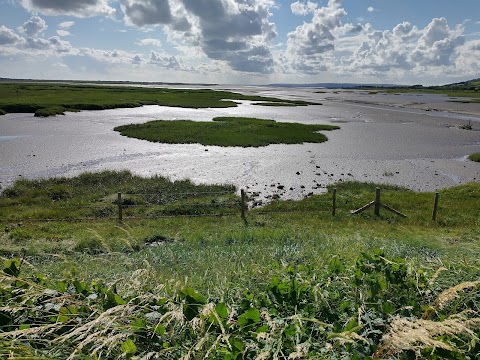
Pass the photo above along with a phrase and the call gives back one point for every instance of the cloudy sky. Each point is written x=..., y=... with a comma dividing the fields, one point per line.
x=242, y=41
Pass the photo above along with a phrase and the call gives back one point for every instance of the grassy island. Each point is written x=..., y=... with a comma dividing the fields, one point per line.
x=226, y=131
x=48, y=99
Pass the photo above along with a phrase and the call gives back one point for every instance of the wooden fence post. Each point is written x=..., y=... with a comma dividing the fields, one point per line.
x=377, y=201
x=243, y=205
x=435, y=207
x=377, y=204
x=334, y=202
x=119, y=202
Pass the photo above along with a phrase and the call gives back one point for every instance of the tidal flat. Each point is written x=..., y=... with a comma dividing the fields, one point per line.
x=412, y=140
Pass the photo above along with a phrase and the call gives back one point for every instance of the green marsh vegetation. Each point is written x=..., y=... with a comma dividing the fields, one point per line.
x=48, y=99
x=294, y=283
x=227, y=131
x=475, y=157
x=469, y=90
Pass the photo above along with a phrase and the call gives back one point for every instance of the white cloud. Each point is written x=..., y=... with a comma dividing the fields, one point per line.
x=150, y=42
x=34, y=26
x=300, y=8
x=370, y=9
x=66, y=24
x=52, y=44
x=474, y=45
x=59, y=45
x=310, y=45
x=137, y=60
x=61, y=32
x=152, y=12
x=408, y=48
x=8, y=37
x=76, y=8
x=438, y=44
x=232, y=31
x=327, y=44
x=165, y=60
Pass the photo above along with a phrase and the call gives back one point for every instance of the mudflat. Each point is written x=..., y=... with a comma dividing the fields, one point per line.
x=415, y=140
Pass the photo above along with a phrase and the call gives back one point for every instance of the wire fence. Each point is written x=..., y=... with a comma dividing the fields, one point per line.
x=124, y=206
x=133, y=206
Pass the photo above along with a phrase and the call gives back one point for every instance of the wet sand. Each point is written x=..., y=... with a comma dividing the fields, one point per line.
x=409, y=140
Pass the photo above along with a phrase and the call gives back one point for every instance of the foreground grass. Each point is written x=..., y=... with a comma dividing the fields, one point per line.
x=226, y=131
x=376, y=306
x=293, y=282
x=475, y=157
x=53, y=99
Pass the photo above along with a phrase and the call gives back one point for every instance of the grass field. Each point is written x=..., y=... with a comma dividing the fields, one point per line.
x=227, y=131
x=294, y=282
x=53, y=99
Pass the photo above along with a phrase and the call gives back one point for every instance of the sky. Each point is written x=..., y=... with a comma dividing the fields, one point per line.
x=426, y=42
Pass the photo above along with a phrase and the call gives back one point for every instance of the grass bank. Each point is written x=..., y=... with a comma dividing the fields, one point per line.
x=294, y=282
x=227, y=131
x=51, y=99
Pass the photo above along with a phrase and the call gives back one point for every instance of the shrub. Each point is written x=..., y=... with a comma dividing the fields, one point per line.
x=467, y=126
x=475, y=157
x=59, y=192
x=19, y=235
x=50, y=111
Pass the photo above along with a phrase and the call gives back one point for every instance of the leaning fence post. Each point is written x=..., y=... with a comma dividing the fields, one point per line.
x=334, y=202
x=377, y=201
x=119, y=202
x=243, y=205
x=435, y=207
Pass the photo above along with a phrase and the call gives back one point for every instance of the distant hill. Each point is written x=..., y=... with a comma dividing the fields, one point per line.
x=464, y=85
x=331, y=85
